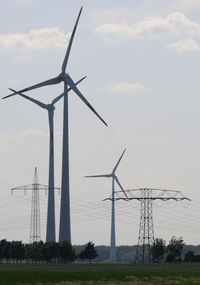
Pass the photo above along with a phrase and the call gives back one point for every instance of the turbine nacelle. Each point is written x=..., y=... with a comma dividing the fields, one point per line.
x=63, y=76
x=51, y=107
x=114, y=177
x=67, y=77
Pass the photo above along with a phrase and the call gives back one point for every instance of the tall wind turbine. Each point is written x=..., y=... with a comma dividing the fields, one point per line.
x=65, y=228
x=50, y=230
x=112, y=175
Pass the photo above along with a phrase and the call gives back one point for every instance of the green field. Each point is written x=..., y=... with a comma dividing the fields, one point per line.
x=67, y=274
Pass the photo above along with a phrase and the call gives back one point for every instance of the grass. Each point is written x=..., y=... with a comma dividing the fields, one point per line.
x=76, y=274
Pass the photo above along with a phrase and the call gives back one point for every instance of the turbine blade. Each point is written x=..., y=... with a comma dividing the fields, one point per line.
x=117, y=180
x=42, y=105
x=73, y=86
x=103, y=175
x=70, y=42
x=114, y=169
x=61, y=95
x=51, y=81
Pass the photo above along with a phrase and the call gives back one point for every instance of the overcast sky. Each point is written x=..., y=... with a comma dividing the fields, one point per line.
x=142, y=61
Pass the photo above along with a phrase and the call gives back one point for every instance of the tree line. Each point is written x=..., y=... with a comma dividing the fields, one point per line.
x=39, y=252
x=172, y=252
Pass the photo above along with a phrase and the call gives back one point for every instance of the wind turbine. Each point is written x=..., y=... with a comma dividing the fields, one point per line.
x=112, y=175
x=50, y=230
x=65, y=228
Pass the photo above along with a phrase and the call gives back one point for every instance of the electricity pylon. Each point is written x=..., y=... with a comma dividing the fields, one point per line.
x=146, y=232
x=35, y=187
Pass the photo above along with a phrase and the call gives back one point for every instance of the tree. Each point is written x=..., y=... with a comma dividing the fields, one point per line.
x=158, y=249
x=3, y=244
x=89, y=252
x=17, y=250
x=170, y=257
x=7, y=251
x=82, y=255
x=28, y=248
x=66, y=251
x=35, y=251
x=189, y=256
x=174, y=249
x=50, y=251
x=46, y=255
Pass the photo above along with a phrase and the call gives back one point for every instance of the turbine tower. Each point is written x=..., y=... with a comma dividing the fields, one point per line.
x=113, y=257
x=65, y=228
x=146, y=233
x=50, y=230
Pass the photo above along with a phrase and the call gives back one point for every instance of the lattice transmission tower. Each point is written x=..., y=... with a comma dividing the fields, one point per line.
x=146, y=196
x=35, y=187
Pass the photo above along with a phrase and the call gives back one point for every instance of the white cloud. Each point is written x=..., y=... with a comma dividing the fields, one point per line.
x=44, y=38
x=9, y=141
x=126, y=87
x=31, y=132
x=185, y=45
x=173, y=24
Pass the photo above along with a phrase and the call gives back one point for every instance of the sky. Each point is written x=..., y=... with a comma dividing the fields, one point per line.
x=142, y=63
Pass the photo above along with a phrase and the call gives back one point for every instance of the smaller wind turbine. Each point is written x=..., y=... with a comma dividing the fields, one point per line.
x=112, y=175
x=50, y=231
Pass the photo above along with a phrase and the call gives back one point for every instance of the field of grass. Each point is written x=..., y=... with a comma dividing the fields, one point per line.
x=110, y=274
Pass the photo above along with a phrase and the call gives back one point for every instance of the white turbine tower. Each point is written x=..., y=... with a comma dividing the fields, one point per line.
x=112, y=175
x=65, y=228
x=50, y=230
